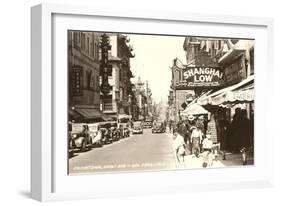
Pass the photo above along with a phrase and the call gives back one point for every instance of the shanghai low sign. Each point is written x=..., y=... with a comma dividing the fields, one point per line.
x=201, y=77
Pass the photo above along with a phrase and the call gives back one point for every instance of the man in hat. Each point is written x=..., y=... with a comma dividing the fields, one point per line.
x=200, y=123
x=196, y=139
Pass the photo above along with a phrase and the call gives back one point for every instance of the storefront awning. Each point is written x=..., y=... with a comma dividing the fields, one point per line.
x=123, y=116
x=194, y=109
x=241, y=92
x=89, y=113
x=241, y=95
x=73, y=115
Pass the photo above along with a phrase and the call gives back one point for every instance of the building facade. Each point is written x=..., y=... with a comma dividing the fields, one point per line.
x=83, y=75
x=118, y=101
x=234, y=58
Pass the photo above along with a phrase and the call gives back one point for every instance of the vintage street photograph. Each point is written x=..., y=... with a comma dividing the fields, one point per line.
x=150, y=102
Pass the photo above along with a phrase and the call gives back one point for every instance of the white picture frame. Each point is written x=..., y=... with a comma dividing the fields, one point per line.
x=48, y=178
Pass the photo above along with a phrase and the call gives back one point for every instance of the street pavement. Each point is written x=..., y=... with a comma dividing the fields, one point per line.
x=141, y=152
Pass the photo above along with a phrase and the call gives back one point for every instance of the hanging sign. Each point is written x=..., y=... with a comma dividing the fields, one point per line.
x=201, y=77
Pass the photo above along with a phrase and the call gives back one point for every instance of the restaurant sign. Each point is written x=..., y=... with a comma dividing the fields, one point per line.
x=202, y=77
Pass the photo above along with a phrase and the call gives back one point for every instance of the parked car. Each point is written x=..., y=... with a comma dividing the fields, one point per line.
x=95, y=134
x=79, y=137
x=124, y=129
x=158, y=127
x=137, y=127
x=114, y=131
x=109, y=131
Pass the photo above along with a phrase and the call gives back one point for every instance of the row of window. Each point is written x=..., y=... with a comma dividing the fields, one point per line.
x=87, y=44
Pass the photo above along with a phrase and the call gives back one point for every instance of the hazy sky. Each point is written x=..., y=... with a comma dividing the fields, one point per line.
x=154, y=57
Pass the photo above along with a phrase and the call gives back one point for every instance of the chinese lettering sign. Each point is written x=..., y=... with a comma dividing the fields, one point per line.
x=77, y=81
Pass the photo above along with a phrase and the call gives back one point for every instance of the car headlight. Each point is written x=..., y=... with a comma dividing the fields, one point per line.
x=74, y=135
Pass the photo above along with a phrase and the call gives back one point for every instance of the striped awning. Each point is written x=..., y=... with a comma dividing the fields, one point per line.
x=238, y=93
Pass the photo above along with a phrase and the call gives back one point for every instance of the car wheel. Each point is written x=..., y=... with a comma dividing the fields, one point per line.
x=83, y=146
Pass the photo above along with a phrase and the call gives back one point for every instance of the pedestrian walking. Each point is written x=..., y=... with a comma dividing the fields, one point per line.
x=170, y=126
x=184, y=131
x=207, y=146
x=179, y=148
x=190, y=123
x=196, y=138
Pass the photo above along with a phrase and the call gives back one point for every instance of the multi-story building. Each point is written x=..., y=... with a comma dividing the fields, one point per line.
x=178, y=97
x=230, y=59
x=118, y=101
x=83, y=76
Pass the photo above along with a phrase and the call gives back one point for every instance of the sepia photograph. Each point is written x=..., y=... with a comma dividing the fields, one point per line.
x=152, y=102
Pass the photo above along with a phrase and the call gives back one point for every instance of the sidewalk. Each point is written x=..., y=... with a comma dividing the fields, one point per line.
x=235, y=159
x=192, y=162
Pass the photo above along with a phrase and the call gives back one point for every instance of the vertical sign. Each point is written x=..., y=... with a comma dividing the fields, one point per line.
x=104, y=67
x=77, y=81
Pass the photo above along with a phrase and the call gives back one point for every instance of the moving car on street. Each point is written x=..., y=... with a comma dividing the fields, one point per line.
x=147, y=123
x=137, y=127
x=158, y=127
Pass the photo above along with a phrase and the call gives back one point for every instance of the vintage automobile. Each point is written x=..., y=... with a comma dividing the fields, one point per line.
x=137, y=127
x=108, y=131
x=124, y=130
x=158, y=127
x=114, y=131
x=79, y=137
x=147, y=123
x=95, y=134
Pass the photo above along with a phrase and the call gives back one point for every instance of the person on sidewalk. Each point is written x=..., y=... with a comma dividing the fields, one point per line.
x=190, y=123
x=179, y=148
x=196, y=138
x=207, y=146
x=184, y=131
